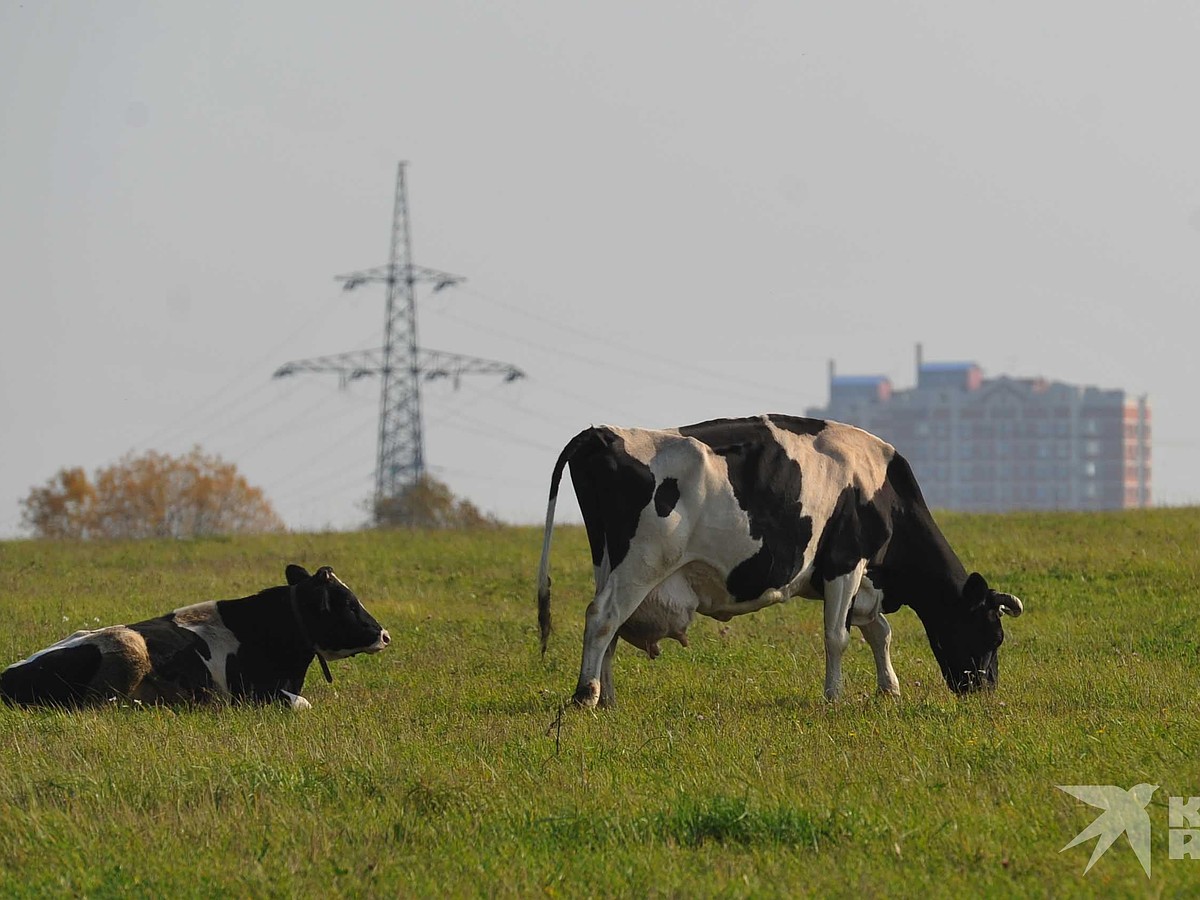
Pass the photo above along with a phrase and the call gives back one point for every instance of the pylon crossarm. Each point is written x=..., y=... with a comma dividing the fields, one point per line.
x=436, y=277
x=352, y=365
x=434, y=364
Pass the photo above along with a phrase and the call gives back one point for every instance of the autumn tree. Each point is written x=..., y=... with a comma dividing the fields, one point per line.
x=428, y=503
x=61, y=507
x=152, y=495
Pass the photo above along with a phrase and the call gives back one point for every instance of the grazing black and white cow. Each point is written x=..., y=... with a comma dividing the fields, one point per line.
x=729, y=516
x=257, y=648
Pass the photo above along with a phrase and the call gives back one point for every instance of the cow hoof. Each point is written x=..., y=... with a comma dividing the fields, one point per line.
x=295, y=701
x=888, y=691
x=587, y=695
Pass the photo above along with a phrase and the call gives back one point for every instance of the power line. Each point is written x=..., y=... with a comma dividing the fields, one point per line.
x=725, y=382
x=723, y=377
x=188, y=420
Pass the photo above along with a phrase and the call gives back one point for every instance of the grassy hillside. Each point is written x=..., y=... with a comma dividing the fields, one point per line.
x=431, y=770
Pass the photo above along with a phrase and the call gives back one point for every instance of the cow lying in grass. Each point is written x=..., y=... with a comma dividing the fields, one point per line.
x=254, y=649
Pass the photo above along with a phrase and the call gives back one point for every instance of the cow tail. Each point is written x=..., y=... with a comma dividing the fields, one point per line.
x=544, y=568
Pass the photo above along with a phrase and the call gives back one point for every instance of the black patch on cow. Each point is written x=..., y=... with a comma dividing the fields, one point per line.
x=57, y=678
x=798, y=424
x=666, y=497
x=766, y=483
x=902, y=484
x=857, y=529
x=177, y=655
x=612, y=488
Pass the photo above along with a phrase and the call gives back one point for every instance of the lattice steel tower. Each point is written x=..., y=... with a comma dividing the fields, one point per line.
x=401, y=362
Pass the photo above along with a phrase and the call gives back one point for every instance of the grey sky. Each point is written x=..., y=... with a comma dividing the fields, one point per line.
x=665, y=212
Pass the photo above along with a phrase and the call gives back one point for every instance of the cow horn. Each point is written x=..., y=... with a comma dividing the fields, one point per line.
x=1009, y=605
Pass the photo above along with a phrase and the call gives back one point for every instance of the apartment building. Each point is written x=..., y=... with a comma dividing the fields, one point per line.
x=1005, y=443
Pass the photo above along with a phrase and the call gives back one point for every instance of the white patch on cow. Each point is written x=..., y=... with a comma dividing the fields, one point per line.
x=859, y=453
x=295, y=701
x=73, y=640
x=204, y=621
x=643, y=444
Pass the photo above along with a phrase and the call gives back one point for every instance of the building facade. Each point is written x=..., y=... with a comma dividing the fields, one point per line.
x=994, y=444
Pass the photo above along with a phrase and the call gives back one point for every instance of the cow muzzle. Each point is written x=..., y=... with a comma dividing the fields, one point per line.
x=982, y=677
x=379, y=644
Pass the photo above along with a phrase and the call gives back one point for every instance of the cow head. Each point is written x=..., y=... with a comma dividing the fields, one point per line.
x=336, y=622
x=967, y=635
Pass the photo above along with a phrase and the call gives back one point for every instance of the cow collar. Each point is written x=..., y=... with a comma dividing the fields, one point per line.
x=304, y=634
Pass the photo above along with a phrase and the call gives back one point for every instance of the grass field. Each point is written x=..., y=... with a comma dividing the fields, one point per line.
x=430, y=769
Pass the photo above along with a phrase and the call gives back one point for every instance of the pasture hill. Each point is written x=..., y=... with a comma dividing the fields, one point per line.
x=441, y=767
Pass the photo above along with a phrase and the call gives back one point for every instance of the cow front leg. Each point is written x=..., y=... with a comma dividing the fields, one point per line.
x=879, y=635
x=867, y=613
x=839, y=598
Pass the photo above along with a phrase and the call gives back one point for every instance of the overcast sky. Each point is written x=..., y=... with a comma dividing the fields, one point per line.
x=665, y=212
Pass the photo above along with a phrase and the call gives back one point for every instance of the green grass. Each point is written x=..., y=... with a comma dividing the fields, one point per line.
x=437, y=768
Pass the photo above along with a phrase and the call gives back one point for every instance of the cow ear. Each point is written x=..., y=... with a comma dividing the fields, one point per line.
x=975, y=591
x=296, y=574
x=324, y=574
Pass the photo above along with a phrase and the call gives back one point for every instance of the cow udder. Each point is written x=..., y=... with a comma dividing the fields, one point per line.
x=666, y=612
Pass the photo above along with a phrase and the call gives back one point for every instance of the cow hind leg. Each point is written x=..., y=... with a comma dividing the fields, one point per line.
x=62, y=677
x=608, y=696
x=606, y=613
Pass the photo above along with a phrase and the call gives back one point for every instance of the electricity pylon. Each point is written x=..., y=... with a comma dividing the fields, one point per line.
x=401, y=363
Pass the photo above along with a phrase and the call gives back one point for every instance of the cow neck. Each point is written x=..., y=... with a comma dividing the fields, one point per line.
x=932, y=587
x=304, y=633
